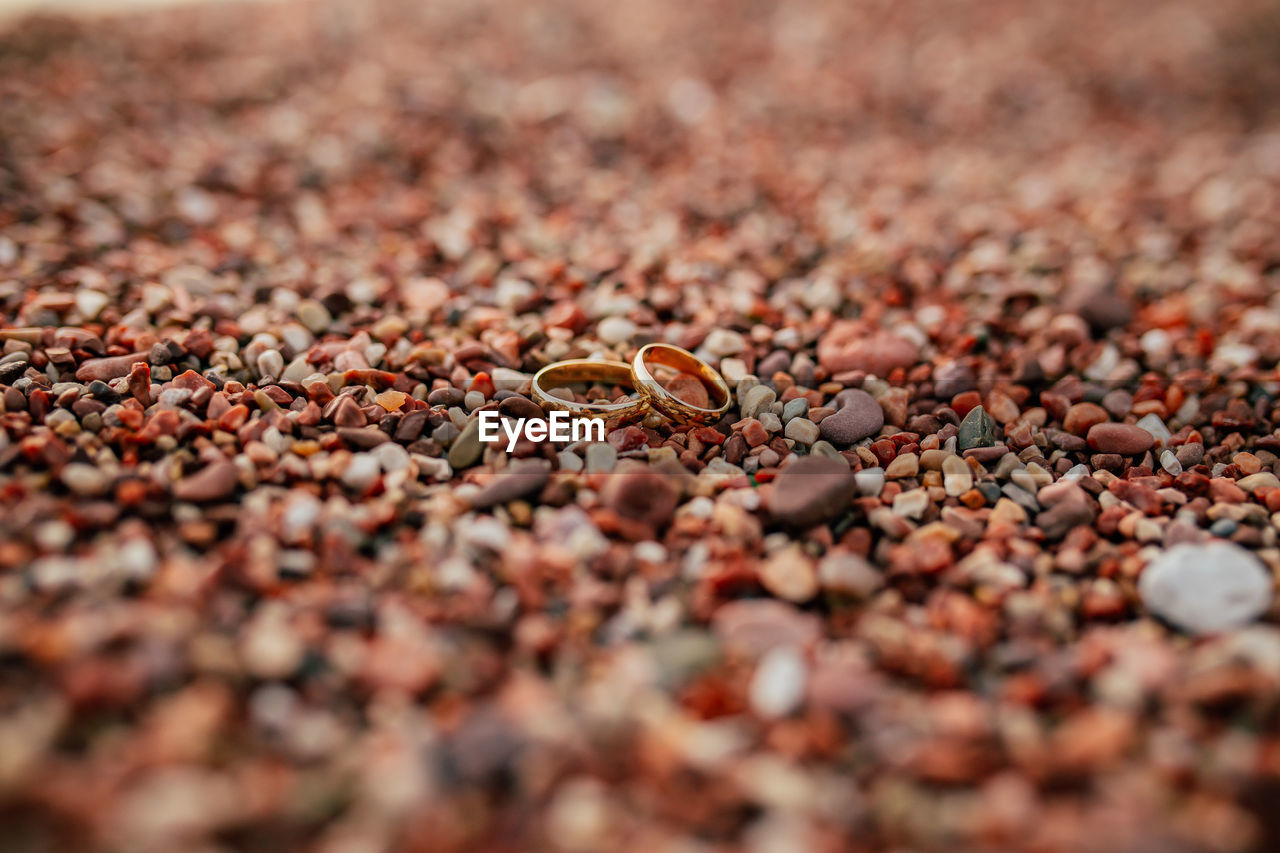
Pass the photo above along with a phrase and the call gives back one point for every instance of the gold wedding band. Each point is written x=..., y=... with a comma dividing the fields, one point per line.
x=608, y=373
x=682, y=361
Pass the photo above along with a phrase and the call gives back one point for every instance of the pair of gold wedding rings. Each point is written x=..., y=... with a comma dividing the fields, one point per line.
x=651, y=393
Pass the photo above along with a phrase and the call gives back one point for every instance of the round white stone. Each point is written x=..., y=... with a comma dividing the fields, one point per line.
x=1204, y=589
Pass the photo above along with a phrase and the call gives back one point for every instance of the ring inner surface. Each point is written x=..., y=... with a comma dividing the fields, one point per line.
x=676, y=365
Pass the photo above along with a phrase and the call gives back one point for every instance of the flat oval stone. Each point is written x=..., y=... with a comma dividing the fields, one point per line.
x=847, y=346
x=857, y=416
x=811, y=490
x=519, y=480
x=1204, y=589
x=1125, y=439
x=213, y=482
x=641, y=495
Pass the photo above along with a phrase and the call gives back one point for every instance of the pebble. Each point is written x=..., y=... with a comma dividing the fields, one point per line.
x=957, y=476
x=756, y=400
x=953, y=378
x=857, y=416
x=1205, y=589
x=215, y=481
x=615, y=330
x=978, y=429
x=600, y=457
x=521, y=479
x=870, y=481
x=811, y=490
x=362, y=472
x=723, y=342
x=903, y=465
x=802, y=430
x=911, y=504
x=84, y=480
x=1125, y=439
x=754, y=626
x=1082, y=416
x=845, y=573
x=847, y=346
x=789, y=573
x=797, y=408
x=778, y=685
x=641, y=494
x=466, y=449
x=1261, y=480
x=1160, y=434
x=112, y=367
x=1169, y=462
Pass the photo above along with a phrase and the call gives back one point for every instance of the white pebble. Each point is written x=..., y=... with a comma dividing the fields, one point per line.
x=777, y=688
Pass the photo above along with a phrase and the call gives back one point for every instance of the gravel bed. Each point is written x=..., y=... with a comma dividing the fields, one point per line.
x=982, y=557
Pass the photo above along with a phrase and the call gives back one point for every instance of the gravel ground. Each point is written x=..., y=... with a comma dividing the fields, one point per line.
x=982, y=557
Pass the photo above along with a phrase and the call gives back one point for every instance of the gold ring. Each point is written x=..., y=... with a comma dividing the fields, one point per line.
x=609, y=373
x=685, y=362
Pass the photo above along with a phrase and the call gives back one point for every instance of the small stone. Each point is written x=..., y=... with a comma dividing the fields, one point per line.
x=1247, y=463
x=722, y=342
x=601, y=457
x=271, y=363
x=952, y=379
x=911, y=504
x=778, y=685
x=771, y=422
x=848, y=574
x=802, y=431
x=1124, y=439
x=754, y=433
x=1261, y=480
x=615, y=330
x=957, y=476
x=1001, y=408
x=903, y=465
x=870, y=482
x=1207, y=588
x=215, y=481
x=978, y=429
x=757, y=399
x=858, y=415
x=755, y=626
x=1190, y=455
x=789, y=573
x=466, y=448
x=314, y=316
x=90, y=302
x=391, y=399
x=811, y=490
x=1007, y=512
x=519, y=480
x=1159, y=432
x=84, y=480
x=506, y=379
x=797, y=408
x=641, y=495
x=847, y=346
x=733, y=370
x=361, y=472
x=1169, y=462
x=1082, y=416
x=109, y=368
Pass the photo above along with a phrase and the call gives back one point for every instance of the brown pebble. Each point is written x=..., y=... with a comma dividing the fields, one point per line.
x=1125, y=439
